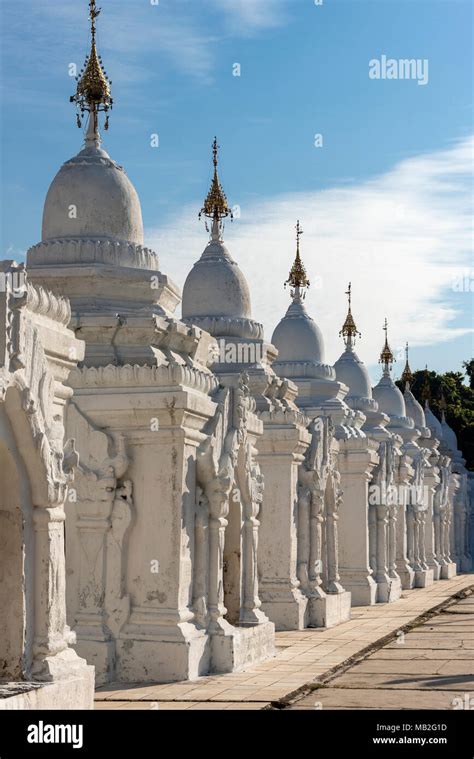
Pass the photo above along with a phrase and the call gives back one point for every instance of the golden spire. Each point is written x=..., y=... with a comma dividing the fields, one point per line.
x=407, y=375
x=386, y=356
x=93, y=86
x=216, y=206
x=349, y=329
x=426, y=390
x=297, y=277
x=443, y=407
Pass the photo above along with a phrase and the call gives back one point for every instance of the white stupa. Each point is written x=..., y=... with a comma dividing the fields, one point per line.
x=433, y=422
x=92, y=247
x=450, y=442
x=301, y=356
x=352, y=372
x=414, y=409
x=388, y=396
x=216, y=295
x=349, y=368
x=216, y=298
x=297, y=337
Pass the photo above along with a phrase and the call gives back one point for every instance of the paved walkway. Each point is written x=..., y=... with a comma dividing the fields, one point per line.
x=309, y=659
x=431, y=667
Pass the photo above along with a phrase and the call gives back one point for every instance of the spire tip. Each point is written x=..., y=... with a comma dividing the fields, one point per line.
x=297, y=277
x=386, y=357
x=349, y=330
x=215, y=205
x=93, y=93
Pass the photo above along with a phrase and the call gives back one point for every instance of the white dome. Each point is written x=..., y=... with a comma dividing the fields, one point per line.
x=92, y=197
x=433, y=423
x=389, y=397
x=449, y=436
x=352, y=372
x=414, y=409
x=215, y=286
x=298, y=337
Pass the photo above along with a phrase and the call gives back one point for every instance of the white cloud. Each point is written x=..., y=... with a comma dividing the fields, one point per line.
x=245, y=16
x=177, y=31
x=401, y=238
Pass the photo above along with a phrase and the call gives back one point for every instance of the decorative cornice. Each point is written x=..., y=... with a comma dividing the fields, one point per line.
x=284, y=417
x=34, y=298
x=304, y=370
x=45, y=303
x=228, y=326
x=143, y=376
x=87, y=159
x=85, y=250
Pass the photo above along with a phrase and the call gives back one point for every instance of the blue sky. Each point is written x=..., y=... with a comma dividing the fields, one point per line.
x=386, y=202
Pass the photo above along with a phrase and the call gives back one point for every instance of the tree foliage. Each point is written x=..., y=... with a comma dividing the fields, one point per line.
x=450, y=389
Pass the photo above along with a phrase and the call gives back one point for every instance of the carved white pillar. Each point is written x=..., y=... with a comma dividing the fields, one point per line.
x=250, y=612
x=92, y=524
x=404, y=526
x=372, y=522
x=357, y=458
x=50, y=637
x=333, y=504
x=410, y=533
x=461, y=519
x=201, y=560
x=431, y=482
x=117, y=600
x=284, y=541
x=303, y=538
x=218, y=511
x=381, y=576
x=446, y=535
x=392, y=542
x=315, y=564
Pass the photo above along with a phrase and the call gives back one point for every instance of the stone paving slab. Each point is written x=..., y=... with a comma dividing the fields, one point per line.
x=435, y=641
x=410, y=678
x=302, y=657
x=372, y=698
x=403, y=654
x=465, y=631
x=417, y=666
x=410, y=682
x=414, y=667
x=179, y=705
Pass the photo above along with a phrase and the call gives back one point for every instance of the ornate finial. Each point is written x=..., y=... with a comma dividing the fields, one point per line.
x=93, y=86
x=407, y=375
x=443, y=406
x=386, y=356
x=216, y=206
x=297, y=277
x=349, y=330
x=425, y=389
x=299, y=232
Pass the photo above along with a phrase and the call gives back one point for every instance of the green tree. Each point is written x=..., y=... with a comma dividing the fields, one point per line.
x=469, y=367
x=450, y=391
